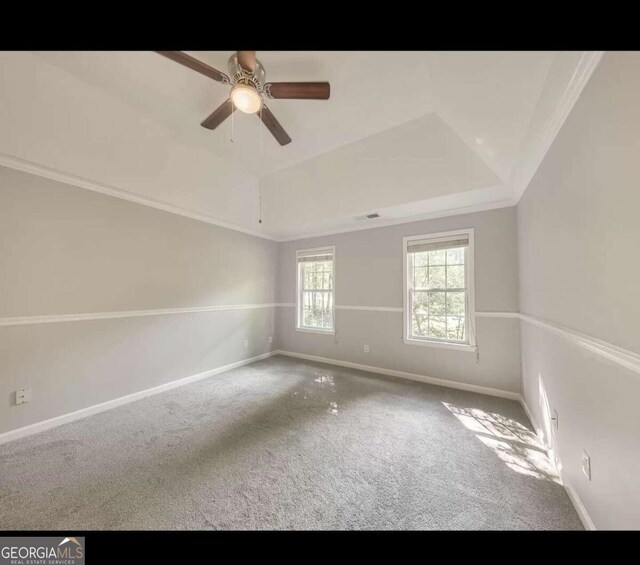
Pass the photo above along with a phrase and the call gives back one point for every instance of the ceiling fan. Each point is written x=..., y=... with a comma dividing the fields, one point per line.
x=248, y=89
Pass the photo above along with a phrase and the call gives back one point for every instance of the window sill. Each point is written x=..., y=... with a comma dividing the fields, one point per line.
x=316, y=331
x=441, y=344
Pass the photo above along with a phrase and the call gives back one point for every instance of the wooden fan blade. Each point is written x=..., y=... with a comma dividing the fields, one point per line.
x=219, y=115
x=300, y=90
x=247, y=60
x=195, y=64
x=273, y=125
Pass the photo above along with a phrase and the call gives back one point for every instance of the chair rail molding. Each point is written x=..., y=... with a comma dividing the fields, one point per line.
x=624, y=357
x=56, y=318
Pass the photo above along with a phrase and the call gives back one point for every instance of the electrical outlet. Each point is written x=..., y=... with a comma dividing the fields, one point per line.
x=246, y=344
x=366, y=348
x=270, y=339
x=554, y=419
x=23, y=395
x=586, y=464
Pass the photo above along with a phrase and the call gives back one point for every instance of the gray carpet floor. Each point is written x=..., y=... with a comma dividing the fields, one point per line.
x=284, y=443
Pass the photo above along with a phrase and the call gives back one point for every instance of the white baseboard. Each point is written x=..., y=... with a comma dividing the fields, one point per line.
x=529, y=414
x=401, y=374
x=109, y=404
x=586, y=520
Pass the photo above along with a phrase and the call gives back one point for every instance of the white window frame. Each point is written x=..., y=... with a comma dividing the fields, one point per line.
x=470, y=319
x=301, y=253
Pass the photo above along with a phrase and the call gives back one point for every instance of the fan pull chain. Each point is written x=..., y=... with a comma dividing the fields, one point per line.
x=232, y=112
x=259, y=183
x=260, y=132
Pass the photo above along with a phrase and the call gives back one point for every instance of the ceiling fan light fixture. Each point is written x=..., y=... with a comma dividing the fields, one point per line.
x=247, y=79
x=246, y=98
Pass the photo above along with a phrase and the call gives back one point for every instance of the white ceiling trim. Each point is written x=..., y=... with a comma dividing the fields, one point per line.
x=408, y=219
x=534, y=157
x=58, y=175
x=536, y=154
x=82, y=182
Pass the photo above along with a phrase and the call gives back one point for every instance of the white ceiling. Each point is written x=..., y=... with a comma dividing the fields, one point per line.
x=406, y=132
x=370, y=92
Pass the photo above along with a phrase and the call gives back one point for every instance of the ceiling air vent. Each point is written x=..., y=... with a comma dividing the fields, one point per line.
x=367, y=217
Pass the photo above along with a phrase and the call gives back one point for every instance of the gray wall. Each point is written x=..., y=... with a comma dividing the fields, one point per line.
x=66, y=250
x=579, y=235
x=369, y=273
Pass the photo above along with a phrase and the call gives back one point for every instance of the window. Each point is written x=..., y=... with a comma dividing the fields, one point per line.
x=438, y=300
x=315, y=287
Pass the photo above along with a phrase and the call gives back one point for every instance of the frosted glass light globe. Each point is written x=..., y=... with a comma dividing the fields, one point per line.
x=246, y=99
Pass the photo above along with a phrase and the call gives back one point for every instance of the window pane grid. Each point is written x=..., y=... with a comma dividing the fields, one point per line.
x=438, y=295
x=315, y=299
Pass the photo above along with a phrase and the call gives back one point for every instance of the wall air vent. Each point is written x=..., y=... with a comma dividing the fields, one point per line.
x=367, y=217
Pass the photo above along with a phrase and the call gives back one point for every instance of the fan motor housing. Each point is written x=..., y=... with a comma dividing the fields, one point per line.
x=241, y=76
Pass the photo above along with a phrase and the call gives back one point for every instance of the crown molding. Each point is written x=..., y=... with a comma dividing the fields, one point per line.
x=527, y=169
x=65, y=177
x=458, y=211
x=529, y=166
x=587, y=64
x=58, y=175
